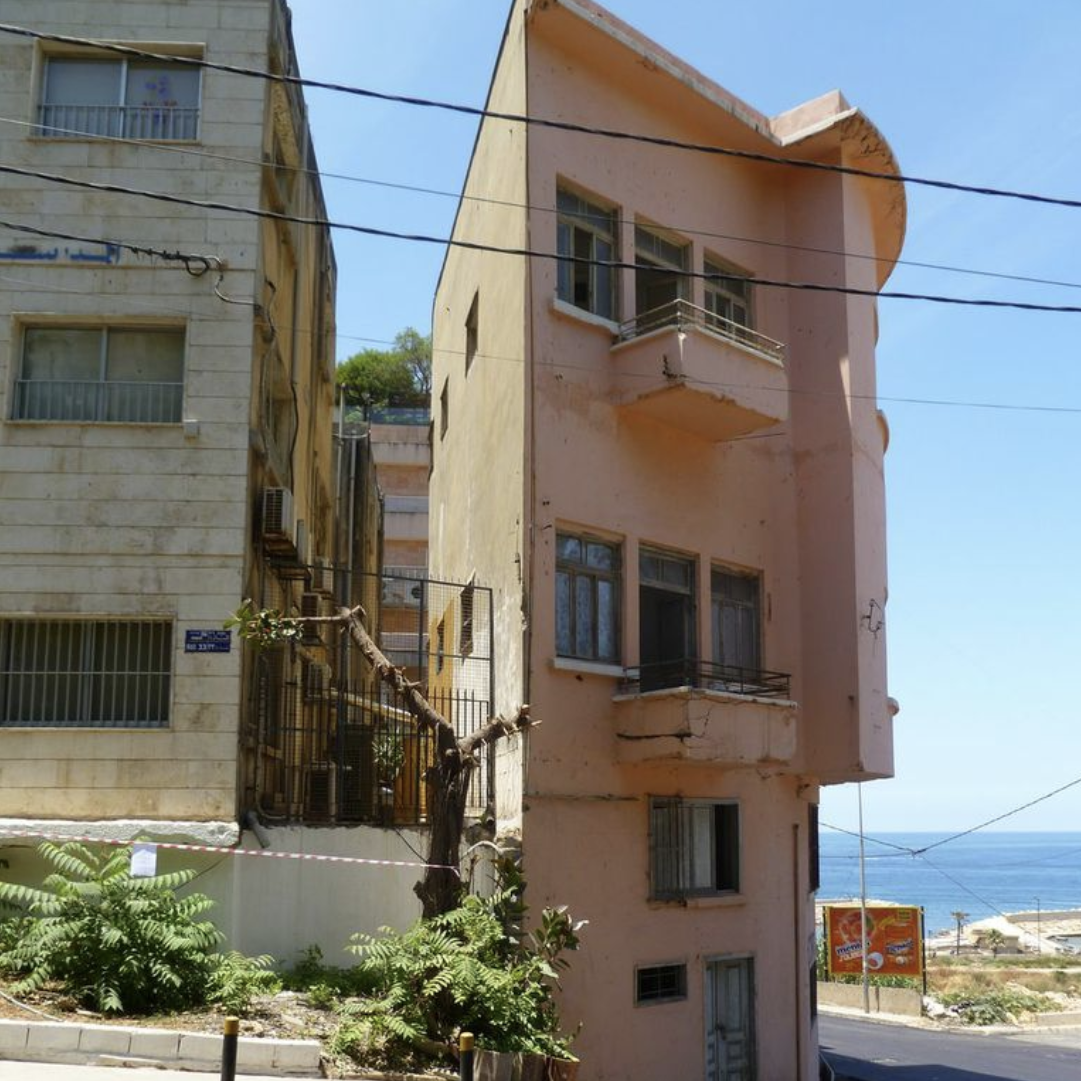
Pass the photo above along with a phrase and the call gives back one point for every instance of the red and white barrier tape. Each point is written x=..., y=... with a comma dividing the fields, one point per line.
x=178, y=846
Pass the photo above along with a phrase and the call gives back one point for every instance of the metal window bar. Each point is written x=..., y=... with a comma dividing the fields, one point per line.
x=704, y=675
x=93, y=673
x=681, y=313
x=328, y=730
x=99, y=401
x=166, y=123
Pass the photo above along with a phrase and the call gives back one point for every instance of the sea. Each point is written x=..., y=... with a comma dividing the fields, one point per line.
x=982, y=874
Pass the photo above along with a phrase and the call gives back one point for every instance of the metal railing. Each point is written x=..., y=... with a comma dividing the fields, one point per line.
x=705, y=675
x=109, y=402
x=679, y=314
x=74, y=121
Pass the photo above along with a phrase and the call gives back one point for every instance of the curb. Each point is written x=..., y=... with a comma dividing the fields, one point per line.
x=116, y=1045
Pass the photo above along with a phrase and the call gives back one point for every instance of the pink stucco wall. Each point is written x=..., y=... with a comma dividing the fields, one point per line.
x=799, y=501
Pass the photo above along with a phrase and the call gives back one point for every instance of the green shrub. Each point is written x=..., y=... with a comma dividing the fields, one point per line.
x=995, y=1007
x=325, y=985
x=235, y=981
x=467, y=969
x=115, y=943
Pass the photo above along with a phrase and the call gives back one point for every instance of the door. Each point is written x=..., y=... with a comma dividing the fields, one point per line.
x=730, y=1020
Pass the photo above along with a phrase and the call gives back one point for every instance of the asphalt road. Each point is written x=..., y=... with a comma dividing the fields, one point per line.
x=870, y=1051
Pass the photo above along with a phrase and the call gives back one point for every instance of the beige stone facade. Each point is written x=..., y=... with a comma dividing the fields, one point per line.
x=148, y=401
x=671, y=472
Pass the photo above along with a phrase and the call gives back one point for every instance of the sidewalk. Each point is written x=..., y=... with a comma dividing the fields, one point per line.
x=48, y=1071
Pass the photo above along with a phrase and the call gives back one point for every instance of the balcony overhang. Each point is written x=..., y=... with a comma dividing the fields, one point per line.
x=694, y=724
x=691, y=370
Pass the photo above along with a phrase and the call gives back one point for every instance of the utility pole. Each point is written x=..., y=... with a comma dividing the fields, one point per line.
x=863, y=911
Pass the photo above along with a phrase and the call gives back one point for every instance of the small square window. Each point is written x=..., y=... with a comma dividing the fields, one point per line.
x=660, y=983
x=694, y=848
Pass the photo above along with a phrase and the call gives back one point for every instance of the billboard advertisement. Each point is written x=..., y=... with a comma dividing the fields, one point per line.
x=894, y=940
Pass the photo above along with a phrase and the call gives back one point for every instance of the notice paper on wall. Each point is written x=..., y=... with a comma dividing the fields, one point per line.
x=144, y=860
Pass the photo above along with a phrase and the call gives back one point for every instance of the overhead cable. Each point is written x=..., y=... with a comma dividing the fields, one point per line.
x=534, y=121
x=706, y=234
x=469, y=245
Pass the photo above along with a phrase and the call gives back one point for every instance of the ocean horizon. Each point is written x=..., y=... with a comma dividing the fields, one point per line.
x=983, y=874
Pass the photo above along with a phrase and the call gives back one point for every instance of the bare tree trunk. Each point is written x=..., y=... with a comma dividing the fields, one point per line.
x=448, y=778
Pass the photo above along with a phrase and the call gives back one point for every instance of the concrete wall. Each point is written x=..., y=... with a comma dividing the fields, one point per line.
x=135, y=520
x=905, y=1001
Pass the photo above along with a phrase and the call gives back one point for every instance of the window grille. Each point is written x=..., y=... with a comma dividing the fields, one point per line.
x=660, y=983
x=132, y=375
x=82, y=674
x=695, y=848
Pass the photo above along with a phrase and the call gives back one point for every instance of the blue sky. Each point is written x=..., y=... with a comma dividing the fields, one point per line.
x=984, y=527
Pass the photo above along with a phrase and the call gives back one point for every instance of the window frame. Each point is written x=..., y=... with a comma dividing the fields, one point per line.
x=678, y=993
x=584, y=223
x=472, y=331
x=651, y=260
x=582, y=570
x=720, y=291
x=93, y=403
x=123, y=121
x=674, y=874
x=718, y=600
x=87, y=680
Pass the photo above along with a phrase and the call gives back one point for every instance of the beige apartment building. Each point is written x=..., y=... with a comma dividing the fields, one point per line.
x=670, y=470
x=166, y=395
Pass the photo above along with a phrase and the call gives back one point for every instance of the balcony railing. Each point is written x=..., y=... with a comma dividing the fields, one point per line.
x=166, y=122
x=680, y=314
x=108, y=402
x=705, y=675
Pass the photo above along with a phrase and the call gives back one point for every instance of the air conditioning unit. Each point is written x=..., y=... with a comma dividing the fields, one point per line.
x=402, y=592
x=323, y=576
x=278, y=521
x=311, y=607
x=315, y=680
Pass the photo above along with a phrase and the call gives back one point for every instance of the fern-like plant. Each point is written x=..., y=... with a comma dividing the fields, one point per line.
x=465, y=970
x=117, y=944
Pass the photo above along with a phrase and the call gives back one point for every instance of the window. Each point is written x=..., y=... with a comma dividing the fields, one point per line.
x=660, y=278
x=110, y=374
x=728, y=298
x=666, y=619
x=814, y=858
x=587, y=598
x=124, y=99
x=735, y=615
x=444, y=408
x=660, y=983
x=471, y=331
x=585, y=231
x=465, y=627
x=694, y=848
x=89, y=674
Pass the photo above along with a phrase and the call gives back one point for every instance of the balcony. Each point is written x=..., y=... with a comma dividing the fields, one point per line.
x=693, y=711
x=692, y=370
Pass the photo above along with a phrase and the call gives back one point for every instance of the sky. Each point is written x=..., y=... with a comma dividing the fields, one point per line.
x=984, y=406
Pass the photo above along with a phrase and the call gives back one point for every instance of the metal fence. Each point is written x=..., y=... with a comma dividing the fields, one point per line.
x=335, y=743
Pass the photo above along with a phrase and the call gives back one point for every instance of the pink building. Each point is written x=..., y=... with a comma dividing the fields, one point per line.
x=671, y=472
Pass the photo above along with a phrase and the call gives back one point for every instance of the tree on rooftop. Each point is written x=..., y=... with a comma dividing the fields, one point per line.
x=399, y=376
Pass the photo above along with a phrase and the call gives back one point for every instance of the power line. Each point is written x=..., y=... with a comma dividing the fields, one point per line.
x=469, y=245
x=706, y=234
x=999, y=818
x=562, y=365
x=558, y=125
